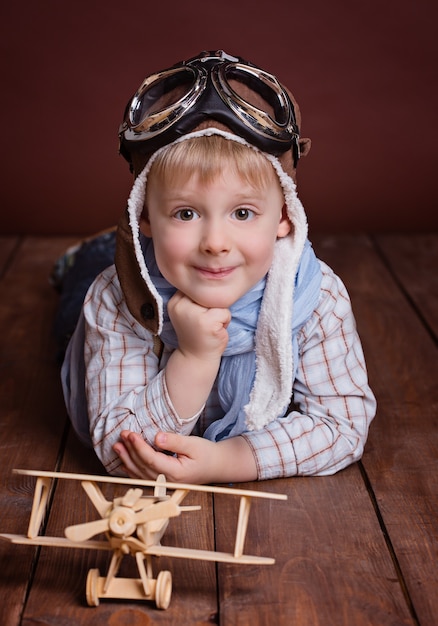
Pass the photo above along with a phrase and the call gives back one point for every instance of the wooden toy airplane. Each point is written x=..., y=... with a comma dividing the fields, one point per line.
x=134, y=524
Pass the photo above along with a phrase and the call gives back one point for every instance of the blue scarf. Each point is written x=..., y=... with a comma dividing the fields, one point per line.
x=238, y=364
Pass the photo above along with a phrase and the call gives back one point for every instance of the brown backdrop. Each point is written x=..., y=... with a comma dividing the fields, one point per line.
x=363, y=72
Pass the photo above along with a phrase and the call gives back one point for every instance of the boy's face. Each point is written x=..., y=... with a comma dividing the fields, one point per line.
x=214, y=241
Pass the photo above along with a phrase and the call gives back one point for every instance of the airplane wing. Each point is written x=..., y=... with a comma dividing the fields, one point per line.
x=208, y=555
x=56, y=542
x=170, y=551
x=116, y=480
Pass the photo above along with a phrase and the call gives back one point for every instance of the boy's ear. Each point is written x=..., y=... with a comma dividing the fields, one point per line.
x=305, y=145
x=284, y=226
x=145, y=227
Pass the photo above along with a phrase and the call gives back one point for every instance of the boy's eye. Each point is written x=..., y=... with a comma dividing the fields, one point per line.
x=243, y=214
x=186, y=215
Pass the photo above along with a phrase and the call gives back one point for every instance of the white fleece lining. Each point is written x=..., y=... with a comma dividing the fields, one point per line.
x=272, y=389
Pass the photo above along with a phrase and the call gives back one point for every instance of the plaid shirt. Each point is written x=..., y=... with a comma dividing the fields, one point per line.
x=323, y=432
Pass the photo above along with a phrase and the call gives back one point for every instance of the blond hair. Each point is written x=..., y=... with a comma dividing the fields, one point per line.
x=206, y=157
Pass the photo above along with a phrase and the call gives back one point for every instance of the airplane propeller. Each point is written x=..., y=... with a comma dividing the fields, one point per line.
x=121, y=517
x=96, y=496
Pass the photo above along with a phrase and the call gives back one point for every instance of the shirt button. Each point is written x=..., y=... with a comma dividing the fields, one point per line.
x=147, y=311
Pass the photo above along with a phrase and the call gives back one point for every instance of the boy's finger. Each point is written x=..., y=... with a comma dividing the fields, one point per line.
x=172, y=442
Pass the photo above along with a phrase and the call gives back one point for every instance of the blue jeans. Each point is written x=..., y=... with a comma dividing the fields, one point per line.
x=72, y=276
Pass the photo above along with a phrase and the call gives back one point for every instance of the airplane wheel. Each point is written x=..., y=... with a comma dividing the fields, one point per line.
x=163, y=589
x=91, y=587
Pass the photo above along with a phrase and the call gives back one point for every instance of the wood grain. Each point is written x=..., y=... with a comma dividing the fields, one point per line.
x=332, y=566
x=32, y=417
x=401, y=458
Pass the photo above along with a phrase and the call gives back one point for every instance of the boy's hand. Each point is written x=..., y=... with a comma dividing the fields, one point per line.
x=195, y=460
x=201, y=332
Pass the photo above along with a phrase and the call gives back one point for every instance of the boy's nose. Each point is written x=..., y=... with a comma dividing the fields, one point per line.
x=215, y=239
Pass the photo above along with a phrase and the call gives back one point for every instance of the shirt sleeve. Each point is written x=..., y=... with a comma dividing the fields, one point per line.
x=334, y=402
x=125, y=387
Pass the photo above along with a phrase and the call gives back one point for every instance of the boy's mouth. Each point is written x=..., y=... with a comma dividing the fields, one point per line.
x=215, y=273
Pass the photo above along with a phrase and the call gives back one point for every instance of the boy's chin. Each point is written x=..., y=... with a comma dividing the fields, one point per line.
x=215, y=302
x=223, y=298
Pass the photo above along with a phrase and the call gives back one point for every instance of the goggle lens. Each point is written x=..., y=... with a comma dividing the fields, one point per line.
x=265, y=87
x=160, y=94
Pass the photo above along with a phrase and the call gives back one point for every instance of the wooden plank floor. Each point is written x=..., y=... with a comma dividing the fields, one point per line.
x=358, y=548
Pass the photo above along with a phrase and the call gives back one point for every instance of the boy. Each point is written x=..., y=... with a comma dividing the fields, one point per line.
x=218, y=348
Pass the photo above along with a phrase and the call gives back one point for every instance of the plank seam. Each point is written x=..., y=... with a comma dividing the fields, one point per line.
x=410, y=300
x=13, y=253
x=36, y=558
x=389, y=544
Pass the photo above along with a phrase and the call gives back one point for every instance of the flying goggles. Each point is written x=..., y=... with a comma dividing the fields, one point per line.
x=173, y=102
